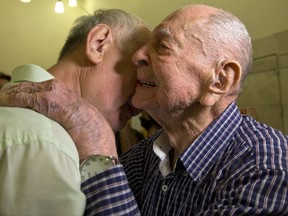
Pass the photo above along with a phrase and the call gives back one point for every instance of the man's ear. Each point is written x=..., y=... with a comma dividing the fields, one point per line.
x=98, y=41
x=227, y=75
x=223, y=80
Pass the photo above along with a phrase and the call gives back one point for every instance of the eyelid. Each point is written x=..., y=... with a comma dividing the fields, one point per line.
x=162, y=44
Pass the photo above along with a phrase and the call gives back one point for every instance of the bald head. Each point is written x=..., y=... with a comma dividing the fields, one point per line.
x=221, y=34
x=194, y=11
x=191, y=13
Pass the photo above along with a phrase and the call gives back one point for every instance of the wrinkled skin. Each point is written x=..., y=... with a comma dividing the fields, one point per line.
x=76, y=116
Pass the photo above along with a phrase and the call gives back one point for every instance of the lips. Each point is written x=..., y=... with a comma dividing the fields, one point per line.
x=146, y=83
x=145, y=78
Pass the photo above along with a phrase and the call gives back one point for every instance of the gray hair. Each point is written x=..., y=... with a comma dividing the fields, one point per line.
x=227, y=35
x=118, y=20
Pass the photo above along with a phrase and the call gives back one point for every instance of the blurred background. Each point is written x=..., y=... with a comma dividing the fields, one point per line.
x=34, y=33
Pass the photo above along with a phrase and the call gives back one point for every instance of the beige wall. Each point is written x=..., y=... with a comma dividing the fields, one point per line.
x=262, y=17
x=32, y=32
x=266, y=87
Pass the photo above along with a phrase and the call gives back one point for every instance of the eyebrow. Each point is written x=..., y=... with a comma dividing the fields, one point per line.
x=163, y=31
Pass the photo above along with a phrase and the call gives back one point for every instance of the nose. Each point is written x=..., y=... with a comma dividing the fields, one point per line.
x=141, y=57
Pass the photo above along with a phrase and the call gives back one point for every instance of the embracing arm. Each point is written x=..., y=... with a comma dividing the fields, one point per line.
x=85, y=124
x=108, y=192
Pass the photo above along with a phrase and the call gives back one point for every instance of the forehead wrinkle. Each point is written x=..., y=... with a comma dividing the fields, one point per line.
x=200, y=43
x=194, y=33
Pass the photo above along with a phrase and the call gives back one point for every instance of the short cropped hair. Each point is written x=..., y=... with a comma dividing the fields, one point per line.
x=5, y=76
x=225, y=35
x=118, y=20
x=234, y=38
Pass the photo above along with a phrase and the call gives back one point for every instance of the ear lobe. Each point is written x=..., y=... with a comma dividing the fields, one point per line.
x=226, y=76
x=98, y=41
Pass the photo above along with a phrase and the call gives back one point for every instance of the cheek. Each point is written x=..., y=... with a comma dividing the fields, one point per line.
x=120, y=91
x=128, y=86
x=108, y=93
x=115, y=94
x=130, y=80
x=178, y=94
x=173, y=99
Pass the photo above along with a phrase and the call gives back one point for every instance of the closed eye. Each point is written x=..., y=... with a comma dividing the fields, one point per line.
x=162, y=45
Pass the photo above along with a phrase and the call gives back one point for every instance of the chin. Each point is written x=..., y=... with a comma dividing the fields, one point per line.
x=135, y=102
x=141, y=105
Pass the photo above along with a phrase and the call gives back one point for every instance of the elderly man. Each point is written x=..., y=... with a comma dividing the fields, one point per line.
x=208, y=159
x=39, y=161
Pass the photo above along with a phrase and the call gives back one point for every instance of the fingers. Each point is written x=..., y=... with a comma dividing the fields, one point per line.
x=27, y=87
x=85, y=124
x=22, y=94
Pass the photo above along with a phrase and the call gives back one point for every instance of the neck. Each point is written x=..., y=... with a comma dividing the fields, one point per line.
x=183, y=130
x=67, y=72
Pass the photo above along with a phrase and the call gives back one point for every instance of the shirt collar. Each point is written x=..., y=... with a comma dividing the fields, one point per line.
x=30, y=72
x=161, y=148
x=203, y=153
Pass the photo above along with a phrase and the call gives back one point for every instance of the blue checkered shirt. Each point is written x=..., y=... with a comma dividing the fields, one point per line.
x=237, y=166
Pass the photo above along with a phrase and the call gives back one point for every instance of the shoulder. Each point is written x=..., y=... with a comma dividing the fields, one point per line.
x=269, y=146
x=25, y=127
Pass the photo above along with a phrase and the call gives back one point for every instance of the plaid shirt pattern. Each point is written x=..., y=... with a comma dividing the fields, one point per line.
x=237, y=166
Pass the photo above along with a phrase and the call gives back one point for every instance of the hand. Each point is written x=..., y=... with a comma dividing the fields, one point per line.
x=89, y=130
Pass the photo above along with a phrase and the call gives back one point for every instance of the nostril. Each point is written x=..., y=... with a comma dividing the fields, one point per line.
x=142, y=63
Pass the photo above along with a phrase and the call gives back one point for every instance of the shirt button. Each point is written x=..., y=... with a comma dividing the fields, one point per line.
x=185, y=173
x=164, y=188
